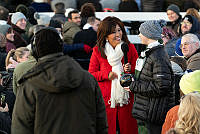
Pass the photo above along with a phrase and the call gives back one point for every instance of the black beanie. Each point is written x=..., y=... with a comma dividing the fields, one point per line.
x=48, y=41
x=188, y=18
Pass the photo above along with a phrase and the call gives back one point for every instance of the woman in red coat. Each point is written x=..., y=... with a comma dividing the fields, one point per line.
x=107, y=65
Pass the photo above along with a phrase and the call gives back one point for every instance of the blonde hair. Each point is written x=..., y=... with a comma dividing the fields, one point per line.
x=18, y=53
x=188, y=114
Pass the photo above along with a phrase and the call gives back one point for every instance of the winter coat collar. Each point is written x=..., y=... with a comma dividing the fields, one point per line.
x=17, y=29
x=150, y=48
x=197, y=51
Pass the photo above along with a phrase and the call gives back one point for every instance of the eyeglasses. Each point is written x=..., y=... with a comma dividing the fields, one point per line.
x=186, y=23
x=186, y=44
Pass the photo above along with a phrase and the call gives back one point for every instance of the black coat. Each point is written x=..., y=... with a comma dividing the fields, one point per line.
x=19, y=41
x=3, y=55
x=89, y=37
x=5, y=123
x=59, y=17
x=128, y=6
x=152, y=5
x=154, y=92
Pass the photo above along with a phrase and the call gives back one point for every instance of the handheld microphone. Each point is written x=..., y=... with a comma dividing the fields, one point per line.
x=125, y=49
x=125, y=79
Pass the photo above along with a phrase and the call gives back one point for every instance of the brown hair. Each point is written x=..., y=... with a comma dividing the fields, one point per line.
x=193, y=12
x=87, y=10
x=106, y=27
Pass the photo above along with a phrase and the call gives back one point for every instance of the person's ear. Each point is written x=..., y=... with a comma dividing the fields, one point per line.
x=18, y=59
x=197, y=45
x=69, y=19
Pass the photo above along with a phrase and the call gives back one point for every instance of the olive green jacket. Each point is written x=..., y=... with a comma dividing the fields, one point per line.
x=58, y=97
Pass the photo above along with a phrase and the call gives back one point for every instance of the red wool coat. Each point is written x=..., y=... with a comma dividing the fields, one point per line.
x=100, y=68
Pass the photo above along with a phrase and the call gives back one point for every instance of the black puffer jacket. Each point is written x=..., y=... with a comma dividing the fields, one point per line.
x=154, y=92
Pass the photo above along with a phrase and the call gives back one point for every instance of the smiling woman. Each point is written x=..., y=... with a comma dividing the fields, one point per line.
x=16, y=56
x=106, y=65
x=173, y=14
x=115, y=37
x=2, y=52
x=2, y=41
x=18, y=23
x=7, y=31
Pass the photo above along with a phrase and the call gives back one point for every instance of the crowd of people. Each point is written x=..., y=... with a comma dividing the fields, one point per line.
x=61, y=74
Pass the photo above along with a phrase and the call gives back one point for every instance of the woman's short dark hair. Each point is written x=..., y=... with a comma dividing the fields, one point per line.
x=106, y=27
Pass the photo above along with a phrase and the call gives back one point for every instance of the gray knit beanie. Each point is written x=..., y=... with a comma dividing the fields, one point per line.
x=42, y=19
x=174, y=8
x=4, y=29
x=17, y=16
x=152, y=29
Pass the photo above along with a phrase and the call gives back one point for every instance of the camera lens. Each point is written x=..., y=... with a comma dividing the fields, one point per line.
x=126, y=80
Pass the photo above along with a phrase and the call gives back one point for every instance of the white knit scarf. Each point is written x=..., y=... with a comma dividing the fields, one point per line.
x=114, y=57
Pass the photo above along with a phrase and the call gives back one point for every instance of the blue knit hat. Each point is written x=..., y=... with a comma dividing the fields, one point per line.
x=4, y=29
x=17, y=16
x=152, y=29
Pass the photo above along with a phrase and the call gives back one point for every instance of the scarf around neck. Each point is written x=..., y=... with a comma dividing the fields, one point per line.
x=114, y=57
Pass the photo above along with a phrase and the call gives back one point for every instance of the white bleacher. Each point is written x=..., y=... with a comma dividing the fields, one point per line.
x=135, y=39
x=130, y=16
